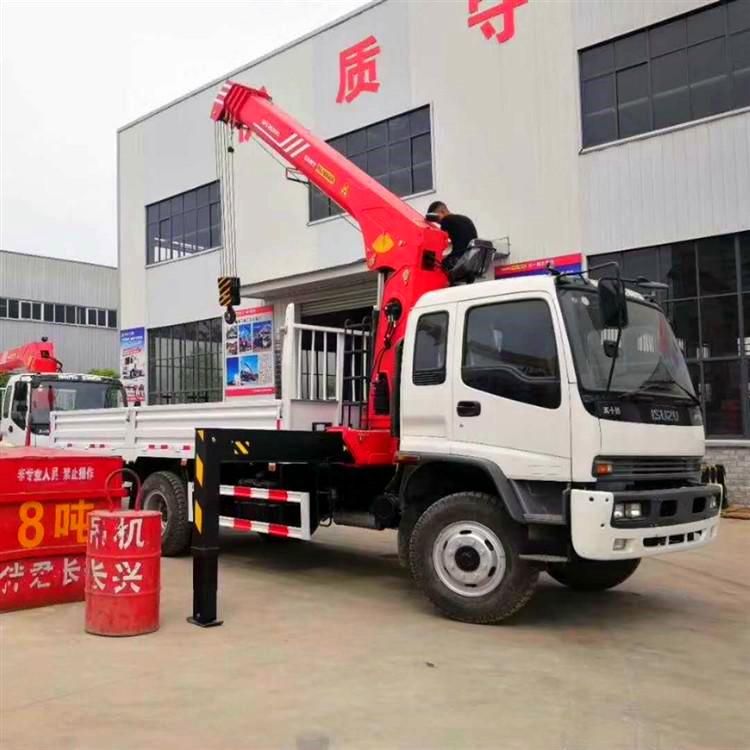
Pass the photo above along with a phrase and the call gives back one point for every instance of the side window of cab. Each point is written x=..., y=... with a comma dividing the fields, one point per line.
x=510, y=351
x=430, y=347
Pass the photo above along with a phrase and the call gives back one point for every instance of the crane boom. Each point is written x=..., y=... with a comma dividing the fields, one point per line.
x=398, y=242
x=36, y=357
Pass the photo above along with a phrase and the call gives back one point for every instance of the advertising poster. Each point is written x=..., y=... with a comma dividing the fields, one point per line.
x=248, y=354
x=563, y=263
x=133, y=364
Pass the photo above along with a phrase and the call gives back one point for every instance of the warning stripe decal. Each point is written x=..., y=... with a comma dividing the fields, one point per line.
x=274, y=529
x=257, y=493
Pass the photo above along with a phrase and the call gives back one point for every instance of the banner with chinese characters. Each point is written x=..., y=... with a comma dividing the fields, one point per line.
x=248, y=353
x=564, y=263
x=45, y=502
x=133, y=364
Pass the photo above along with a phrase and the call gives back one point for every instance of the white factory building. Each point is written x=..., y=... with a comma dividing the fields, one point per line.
x=605, y=129
x=72, y=304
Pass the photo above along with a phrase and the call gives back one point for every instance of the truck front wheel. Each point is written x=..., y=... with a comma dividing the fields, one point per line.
x=464, y=555
x=165, y=492
x=593, y=575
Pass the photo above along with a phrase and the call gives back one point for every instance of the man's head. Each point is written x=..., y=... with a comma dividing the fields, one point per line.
x=438, y=209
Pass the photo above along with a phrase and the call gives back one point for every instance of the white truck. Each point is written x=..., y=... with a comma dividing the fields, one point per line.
x=530, y=439
x=28, y=400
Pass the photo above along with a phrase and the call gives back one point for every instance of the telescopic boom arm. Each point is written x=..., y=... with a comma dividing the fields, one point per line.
x=398, y=242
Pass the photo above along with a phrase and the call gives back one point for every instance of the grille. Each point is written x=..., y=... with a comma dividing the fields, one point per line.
x=653, y=467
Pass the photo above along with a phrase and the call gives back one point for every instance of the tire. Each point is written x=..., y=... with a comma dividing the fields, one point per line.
x=165, y=492
x=593, y=575
x=409, y=518
x=483, y=581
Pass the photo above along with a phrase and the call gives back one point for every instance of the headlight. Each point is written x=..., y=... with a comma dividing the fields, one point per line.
x=633, y=510
x=696, y=416
x=713, y=502
x=619, y=511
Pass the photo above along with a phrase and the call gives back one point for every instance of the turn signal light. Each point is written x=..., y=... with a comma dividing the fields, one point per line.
x=602, y=468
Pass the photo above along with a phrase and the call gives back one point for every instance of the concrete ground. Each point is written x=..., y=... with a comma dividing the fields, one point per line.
x=328, y=645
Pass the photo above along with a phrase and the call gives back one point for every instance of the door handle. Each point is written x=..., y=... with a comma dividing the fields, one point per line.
x=468, y=408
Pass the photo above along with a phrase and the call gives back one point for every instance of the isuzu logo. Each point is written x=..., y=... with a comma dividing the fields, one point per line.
x=670, y=416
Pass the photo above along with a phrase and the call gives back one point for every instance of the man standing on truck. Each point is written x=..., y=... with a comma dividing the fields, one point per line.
x=459, y=228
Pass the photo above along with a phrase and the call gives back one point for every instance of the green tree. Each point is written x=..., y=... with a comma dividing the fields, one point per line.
x=104, y=372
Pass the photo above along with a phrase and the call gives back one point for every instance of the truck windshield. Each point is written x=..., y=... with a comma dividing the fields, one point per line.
x=62, y=395
x=649, y=361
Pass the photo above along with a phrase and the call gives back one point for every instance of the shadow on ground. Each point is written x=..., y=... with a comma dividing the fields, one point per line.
x=552, y=606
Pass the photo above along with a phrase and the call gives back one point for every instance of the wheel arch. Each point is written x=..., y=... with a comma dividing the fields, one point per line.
x=436, y=476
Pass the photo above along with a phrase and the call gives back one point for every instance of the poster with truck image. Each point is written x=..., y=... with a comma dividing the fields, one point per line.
x=133, y=364
x=248, y=353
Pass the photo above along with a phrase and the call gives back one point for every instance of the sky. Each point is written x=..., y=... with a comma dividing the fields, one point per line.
x=72, y=73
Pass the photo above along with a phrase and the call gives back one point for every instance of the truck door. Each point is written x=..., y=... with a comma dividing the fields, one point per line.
x=510, y=394
x=15, y=409
x=426, y=411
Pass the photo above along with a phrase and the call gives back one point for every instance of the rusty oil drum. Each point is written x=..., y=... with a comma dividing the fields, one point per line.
x=123, y=572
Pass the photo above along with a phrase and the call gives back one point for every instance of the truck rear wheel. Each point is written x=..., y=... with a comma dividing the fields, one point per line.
x=165, y=492
x=464, y=556
x=593, y=575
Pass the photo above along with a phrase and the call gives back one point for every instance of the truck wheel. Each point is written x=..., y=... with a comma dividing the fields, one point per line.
x=464, y=555
x=409, y=518
x=593, y=575
x=165, y=492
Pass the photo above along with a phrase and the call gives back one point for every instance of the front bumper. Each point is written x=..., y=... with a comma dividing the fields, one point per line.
x=596, y=537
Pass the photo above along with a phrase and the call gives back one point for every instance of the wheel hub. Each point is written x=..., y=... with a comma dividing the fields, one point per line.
x=469, y=558
x=156, y=501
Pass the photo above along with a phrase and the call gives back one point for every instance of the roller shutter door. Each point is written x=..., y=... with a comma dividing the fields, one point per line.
x=360, y=293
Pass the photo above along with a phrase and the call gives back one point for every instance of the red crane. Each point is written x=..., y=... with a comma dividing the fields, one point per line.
x=36, y=357
x=399, y=243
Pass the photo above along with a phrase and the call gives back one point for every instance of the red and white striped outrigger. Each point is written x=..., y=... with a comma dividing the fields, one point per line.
x=261, y=527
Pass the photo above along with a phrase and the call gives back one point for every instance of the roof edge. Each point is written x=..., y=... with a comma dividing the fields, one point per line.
x=61, y=260
x=299, y=40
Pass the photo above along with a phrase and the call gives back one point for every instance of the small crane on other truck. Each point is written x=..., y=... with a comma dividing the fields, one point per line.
x=37, y=386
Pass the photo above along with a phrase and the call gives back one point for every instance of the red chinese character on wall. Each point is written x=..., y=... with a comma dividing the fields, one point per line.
x=484, y=18
x=357, y=70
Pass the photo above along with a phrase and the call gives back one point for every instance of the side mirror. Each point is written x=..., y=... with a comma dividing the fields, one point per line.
x=612, y=303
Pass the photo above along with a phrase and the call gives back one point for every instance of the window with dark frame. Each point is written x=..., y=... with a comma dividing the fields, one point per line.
x=184, y=363
x=430, y=348
x=397, y=152
x=184, y=224
x=680, y=70
x=708, y=306
x=509, y=351
x=51, y=312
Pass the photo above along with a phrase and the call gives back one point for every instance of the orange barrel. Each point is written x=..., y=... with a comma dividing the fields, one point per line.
x=123, y=562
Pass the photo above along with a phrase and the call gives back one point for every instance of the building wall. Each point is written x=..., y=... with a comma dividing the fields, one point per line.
x=37, y=278
x=516, y=181
x=736, y=461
